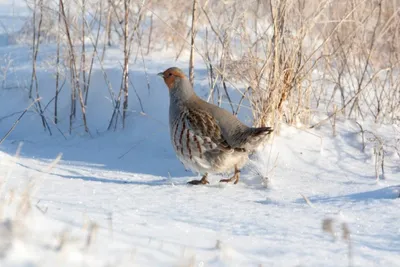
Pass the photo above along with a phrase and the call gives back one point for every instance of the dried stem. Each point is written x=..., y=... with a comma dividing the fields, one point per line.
x=193, y=34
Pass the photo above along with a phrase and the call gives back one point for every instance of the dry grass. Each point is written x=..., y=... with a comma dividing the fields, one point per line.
x=25, y=226
x=290, y=59
x=339, y=229
x=296, y=56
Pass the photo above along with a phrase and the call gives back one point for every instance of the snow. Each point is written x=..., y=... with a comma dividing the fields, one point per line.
x=120, y=198
x=152, y=220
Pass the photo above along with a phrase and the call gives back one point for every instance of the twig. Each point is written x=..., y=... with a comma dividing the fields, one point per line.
x=307, y=200
x=227, y=95
x=193, y=34
x=362, y=136
x=57, y=67
x=137, y=95
x=18, y=120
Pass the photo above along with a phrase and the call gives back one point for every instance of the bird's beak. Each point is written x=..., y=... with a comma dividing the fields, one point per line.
x=161, y=74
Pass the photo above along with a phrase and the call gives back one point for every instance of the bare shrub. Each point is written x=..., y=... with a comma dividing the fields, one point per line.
x=281, y=49
x=288, y=59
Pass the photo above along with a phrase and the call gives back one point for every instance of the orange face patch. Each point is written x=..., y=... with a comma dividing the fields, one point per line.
x=170, y=75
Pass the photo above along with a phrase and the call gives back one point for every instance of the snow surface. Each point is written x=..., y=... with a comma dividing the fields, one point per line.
x=121, y=199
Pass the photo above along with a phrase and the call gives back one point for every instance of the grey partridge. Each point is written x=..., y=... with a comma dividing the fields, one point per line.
x=205, y=137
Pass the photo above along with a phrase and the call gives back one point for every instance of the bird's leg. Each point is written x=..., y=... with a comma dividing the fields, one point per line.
x=203, y=180
x=234, y=178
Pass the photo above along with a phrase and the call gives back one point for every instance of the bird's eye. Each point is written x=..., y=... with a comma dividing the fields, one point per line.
x=170, y=74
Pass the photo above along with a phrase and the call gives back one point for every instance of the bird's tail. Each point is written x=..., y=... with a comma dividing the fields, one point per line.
x=257, y=136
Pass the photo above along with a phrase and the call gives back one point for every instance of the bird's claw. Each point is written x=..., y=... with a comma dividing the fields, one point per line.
x=234, y=179
x=197, y=182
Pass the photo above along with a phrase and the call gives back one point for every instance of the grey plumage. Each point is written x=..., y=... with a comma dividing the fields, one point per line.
x=207, y=138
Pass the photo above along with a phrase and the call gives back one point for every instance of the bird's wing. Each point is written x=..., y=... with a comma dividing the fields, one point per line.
x=227, y=130
x=207, y=131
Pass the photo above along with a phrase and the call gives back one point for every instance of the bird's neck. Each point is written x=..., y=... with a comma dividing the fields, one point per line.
x=182, y=91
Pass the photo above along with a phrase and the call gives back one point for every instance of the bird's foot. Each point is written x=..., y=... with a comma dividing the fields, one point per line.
x=234, y=178
x=201, y=181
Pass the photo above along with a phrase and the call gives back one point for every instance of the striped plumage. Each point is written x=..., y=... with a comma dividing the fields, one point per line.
x=206, y=138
